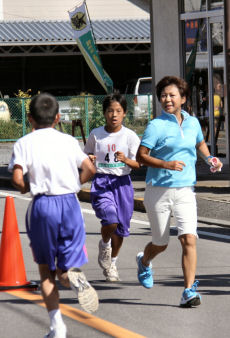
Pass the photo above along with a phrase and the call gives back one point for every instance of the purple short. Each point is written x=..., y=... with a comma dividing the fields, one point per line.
x=112, y=200
x=55, y=227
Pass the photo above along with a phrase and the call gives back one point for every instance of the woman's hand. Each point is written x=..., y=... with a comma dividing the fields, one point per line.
x=215, y=164
x=175, y=165
x=144, y=158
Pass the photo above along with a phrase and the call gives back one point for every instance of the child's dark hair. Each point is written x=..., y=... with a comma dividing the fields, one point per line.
x=181, y=84
x=43, y=109
x=114, y=97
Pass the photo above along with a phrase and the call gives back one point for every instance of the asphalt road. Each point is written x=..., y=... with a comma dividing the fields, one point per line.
x=127, y=309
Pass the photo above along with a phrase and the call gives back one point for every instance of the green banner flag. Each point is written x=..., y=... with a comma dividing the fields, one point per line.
x=82, y=31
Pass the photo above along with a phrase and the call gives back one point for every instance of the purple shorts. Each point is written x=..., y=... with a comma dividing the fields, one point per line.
x=112, y=199
x=55, y=227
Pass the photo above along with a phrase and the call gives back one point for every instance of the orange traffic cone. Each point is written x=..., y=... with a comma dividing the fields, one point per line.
x=12, y=268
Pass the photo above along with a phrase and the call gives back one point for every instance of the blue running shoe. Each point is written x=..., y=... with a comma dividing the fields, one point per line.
x=144, y=273
x=190, y=297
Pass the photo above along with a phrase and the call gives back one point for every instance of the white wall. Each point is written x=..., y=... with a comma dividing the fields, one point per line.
x=1, y=9
x=58, y=9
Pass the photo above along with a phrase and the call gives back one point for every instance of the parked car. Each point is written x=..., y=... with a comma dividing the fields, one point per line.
x=142, y=90
x=67, y=112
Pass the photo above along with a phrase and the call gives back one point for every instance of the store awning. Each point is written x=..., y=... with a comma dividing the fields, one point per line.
x=202, y=61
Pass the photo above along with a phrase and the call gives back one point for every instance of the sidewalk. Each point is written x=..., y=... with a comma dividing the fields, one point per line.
x=213, y=200
x=212, y=193
x=212, y=190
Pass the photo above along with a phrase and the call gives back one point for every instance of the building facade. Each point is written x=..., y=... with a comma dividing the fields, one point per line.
x=188, y=38
x=40, y=10
x=191, y=39
x=38, y=51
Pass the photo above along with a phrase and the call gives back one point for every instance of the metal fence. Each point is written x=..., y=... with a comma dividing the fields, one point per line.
x=14, y=121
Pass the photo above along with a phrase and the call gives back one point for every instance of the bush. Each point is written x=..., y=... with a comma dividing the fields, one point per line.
x=10, y=130
x=97, y=118
x=137, y=125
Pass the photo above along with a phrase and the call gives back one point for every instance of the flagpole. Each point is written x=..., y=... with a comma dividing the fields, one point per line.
x=90, y=21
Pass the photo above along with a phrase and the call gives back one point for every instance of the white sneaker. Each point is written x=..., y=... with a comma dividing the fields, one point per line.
x=87, y=295
x=111, y=274
x=104, y=256
x=59, y=332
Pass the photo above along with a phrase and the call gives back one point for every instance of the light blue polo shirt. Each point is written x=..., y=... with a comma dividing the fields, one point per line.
x=169, y=141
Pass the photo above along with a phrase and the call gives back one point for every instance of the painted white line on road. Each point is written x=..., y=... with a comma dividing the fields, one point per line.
x=87, y=211
x=139, y=222
x=205, y=233
x=91, y=212
x=5, y=194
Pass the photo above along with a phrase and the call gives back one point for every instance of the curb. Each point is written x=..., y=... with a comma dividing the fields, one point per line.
x=5, y=182
x=84, y=196
x=216, y=212
x=206, y=213
x=209, y=211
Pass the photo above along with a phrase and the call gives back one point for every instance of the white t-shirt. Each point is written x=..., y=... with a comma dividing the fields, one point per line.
x=51, y=159
x=104, y=145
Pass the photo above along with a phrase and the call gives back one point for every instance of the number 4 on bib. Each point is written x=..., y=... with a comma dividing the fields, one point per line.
x=107, y=157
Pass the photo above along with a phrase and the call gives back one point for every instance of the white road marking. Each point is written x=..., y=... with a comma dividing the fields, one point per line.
x=16, y=196
x=87, y=211
x=91, y=212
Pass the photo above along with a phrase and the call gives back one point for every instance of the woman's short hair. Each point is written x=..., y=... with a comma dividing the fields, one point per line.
x=180, y=83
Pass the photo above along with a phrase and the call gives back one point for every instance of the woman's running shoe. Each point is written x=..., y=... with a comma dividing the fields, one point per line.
x=190, y=297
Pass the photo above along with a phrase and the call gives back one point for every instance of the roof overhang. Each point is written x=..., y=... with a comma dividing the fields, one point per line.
x=50, y=38
x=26, y=33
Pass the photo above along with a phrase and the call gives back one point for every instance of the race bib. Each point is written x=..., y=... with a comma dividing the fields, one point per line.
x=107, y=157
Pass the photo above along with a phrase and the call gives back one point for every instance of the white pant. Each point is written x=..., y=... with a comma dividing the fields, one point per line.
x=160, y=202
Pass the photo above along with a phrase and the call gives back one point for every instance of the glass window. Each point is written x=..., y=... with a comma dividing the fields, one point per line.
x=197, y=75
x=145, y=87
x=194, y=5
x=196, y=69
x=216, y=4
x=201, y=5
x=219, y=95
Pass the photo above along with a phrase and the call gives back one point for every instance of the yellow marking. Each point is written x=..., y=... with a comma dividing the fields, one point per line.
x=81, y=316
